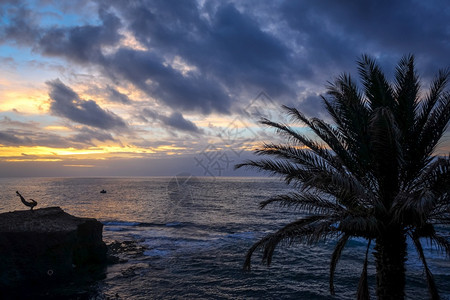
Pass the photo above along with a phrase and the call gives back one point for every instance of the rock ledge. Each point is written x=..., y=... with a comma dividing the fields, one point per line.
x=47, y=244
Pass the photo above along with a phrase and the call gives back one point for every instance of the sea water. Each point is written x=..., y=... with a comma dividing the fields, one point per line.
x=194, y=233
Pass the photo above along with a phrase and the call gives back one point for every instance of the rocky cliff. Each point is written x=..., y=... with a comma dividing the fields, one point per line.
x=47, y=244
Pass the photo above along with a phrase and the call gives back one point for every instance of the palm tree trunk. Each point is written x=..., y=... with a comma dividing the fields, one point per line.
x=390, y=257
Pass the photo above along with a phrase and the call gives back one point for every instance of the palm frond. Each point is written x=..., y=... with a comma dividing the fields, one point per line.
x=427, y=196
x=312, y=172
x=305, y=202
x=363, y=225
x=338, y=144
x=336, y=140
x=363, y=285
x=306, y=230
x=435, y=176
x=340, y=245
x=299, y=139
x=436, y=89
x=413, y=208
x=297, y=155
x=428, y=124
x=377, y=89
x=350, y=113
x=439, y=178
x=332, y=138
x=432, y=289
x=385, y=135
x=283, y=169
x=435, y=126
x=406, y=93
x=441, y=242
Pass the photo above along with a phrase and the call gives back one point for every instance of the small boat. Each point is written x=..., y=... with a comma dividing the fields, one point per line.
x=103, y=192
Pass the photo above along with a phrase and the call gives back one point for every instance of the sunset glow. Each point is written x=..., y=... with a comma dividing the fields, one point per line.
x=99, y=81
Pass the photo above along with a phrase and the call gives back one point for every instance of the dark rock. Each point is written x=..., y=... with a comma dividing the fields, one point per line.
x=120, y=252
x=47, y=245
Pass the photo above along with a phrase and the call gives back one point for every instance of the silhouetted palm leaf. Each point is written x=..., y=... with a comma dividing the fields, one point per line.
x=363, y=285
x=335, y=258
x=434, y=294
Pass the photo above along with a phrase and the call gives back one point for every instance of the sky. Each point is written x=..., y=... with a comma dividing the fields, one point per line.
x=162, y=88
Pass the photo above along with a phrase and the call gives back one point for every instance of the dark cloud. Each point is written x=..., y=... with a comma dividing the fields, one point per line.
x=229, y=51
x=338, y=32
x=86, y=136
x=147, y=71
x=174, y=121
x=10, y=139
x=18, y=133
x=48, y=139
x=18, y=24
x=256, y=43
x=165, y=24
x=239, y=46
x=34, y=137
x=66, y=103
x=116, y=96
x=82, y=43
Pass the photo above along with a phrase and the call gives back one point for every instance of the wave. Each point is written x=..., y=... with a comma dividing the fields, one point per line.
x=242, y=235
x=175, y=224
x=144, y=224
x=229, y=227
x=156, y=253
x=120, y=223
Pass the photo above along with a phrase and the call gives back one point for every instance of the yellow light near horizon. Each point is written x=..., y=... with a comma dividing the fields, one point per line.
x=34, y=159
x=57, y=128
x=24, y=151
x=169, y=147
x=100, y=150
x=39, y=153
x=30, y=102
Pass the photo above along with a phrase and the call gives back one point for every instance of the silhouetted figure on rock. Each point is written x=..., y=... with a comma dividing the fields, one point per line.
x=29, y=204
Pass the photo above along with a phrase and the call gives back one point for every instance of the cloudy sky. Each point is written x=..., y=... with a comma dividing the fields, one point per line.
x=93, y=88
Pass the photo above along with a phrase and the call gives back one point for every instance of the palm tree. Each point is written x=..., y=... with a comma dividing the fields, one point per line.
x=372, y=174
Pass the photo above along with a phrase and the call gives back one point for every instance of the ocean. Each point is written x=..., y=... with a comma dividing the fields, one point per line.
x=186, y=238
